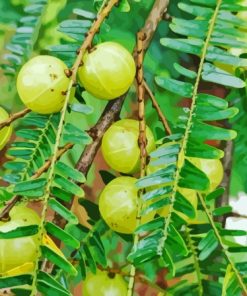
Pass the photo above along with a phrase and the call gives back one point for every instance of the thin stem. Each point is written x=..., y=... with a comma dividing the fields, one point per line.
x=196, y=262
x=158, y=110
x=142, y=141
x=14, y=117
x=225, y=251
x=189, y=125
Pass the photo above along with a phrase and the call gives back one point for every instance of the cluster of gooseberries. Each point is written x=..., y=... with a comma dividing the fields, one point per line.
x=107, y=72
x=118, y=200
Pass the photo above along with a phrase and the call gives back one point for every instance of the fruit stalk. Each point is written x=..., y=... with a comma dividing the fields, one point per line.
x=142, y=141
x=158, y=110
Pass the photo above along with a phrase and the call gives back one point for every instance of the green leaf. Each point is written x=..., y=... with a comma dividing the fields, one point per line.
x=231, y=232
x=61, y=194
x=210, y=100
x=222, y=211
x=68, y=172
x=216, y=75
x=156, y=206
x=157, y=223
x=196, y=10
x=147, y=248
x=184, y=89
x=84, y=13
x=206, y=114
x=88, y=256
x=183, y=206
x=168, y=261
x=75, y=24
x=175, y=241
x=20, y=153
x=97, y=249
x=201, y=150
x=91, y=208
x=230, y=283
x=165, y=150
x=207, y=245
x=15, y=165
x=15, y=281
x=32, y=188
x=215, y=194
x=106, y=176
x=62, y=235
x=124, y=6
x=192, y=46
x=21, y=291
x=185, y=72
x=28, y=134
x=62, y=211
x=69, y=186
x=74, y=135
x=202, y=131
x=193, y=178
x=162, y=176
x=47, y=285
x=56, y=259
x=156, y=193
x=82, y=108
x=20, y=232
x=82, y=266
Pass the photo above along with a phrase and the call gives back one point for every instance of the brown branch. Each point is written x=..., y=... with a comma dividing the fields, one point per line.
x=158, y=110
x=157, y=13
x=14, y=117
x=110, y=114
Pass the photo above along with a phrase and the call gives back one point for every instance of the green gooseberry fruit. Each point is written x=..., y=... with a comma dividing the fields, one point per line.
x=105, y=284
x=120, y=146
x=118, y=205
x=18, y=251
x=108, y=71
x=42, y=84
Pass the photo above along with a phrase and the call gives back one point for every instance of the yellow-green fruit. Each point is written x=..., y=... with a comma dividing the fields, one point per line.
x=120, y=146
x=213, y=168
x=42, y=84
x=118, y=205
x=104, y=284
x=18, y=251
x=107, y=71
x=5, y=133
